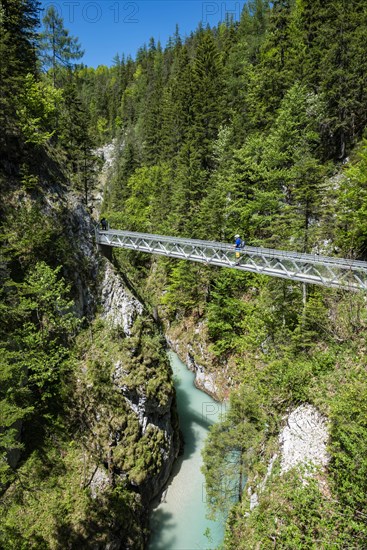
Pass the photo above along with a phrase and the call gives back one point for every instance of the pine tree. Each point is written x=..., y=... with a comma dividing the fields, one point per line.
x=57, y=47
x=38, y=315
x=277, y=68
x=291, y=160
x=151, y=115
x=335, y=37
x=74, y=136
x=176, y=105
x=207, y=102
x=240, y=68
x=205, y=112
x=18, y=23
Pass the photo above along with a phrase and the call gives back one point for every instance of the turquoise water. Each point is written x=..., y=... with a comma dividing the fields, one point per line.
x=179, y=522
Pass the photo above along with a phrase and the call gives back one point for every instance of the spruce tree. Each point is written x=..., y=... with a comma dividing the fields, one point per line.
x=335, y=64
x=18, y=24
x=277, y=68
x=57, y=47
x=176, y=105
x=151, y=115
x=207, y=103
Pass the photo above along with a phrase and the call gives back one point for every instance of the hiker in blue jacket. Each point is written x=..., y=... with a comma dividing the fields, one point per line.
x=238, y=245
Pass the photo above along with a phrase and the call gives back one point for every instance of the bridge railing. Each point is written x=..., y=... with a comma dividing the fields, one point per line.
x=308, y=268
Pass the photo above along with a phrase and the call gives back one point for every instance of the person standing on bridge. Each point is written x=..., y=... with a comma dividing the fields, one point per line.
x=104, y=224
x=238, y=245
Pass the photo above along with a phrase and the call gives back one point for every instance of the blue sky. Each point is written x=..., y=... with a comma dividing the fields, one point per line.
x=108, y=27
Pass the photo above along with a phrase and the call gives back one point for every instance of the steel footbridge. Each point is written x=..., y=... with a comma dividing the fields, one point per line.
x=305, y=268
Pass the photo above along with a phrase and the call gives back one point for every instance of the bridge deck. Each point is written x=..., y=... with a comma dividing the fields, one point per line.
x=307, y=268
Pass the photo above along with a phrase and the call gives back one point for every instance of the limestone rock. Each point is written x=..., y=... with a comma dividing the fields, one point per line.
x=119, y=306
x=303, y=440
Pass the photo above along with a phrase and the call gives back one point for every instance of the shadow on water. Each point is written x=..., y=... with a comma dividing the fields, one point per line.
x=189, y=418
x=162, y=520
x=190, y=421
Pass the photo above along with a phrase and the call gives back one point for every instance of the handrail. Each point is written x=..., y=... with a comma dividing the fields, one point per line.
x=308, y=268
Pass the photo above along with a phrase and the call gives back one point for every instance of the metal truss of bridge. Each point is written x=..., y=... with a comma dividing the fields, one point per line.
x=306, y=268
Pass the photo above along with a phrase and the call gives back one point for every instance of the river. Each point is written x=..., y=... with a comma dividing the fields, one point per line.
x=179, y=522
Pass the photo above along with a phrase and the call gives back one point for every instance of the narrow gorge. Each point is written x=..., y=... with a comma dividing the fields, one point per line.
x=251, y=133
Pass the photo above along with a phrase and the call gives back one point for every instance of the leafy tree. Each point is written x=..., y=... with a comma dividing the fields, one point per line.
x=148, y=203
x=230, y=449
x=37, y=104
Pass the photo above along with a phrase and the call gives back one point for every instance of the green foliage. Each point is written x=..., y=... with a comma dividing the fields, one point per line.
x=15, y=406
x=240, y=129
x=226, y=312
x=227, y=131
x=50, y=506
x=49, y=322
x=275, y=181
x=49, y=501
x=148, y=457
x=30, y=234
x=352, y=231
x=55, y=431
x=147, y=204
x=36, y=355
x=36, y=109
x=18, y=22
x=187, y=288
x=77, y=142
x=348, y=446
x=101, y=129
x=291, y=514
x=230, y=449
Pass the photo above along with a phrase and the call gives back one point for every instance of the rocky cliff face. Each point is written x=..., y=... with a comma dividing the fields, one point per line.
x=119, y=307
x=153, y=414
x=190, y=341
x=302, y=443
x=304, y=439
x=145, y=429
x=126, y=394
x=115, y=398
x=80, y=230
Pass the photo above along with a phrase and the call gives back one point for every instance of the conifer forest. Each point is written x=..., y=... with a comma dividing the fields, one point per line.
x=256, y=127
